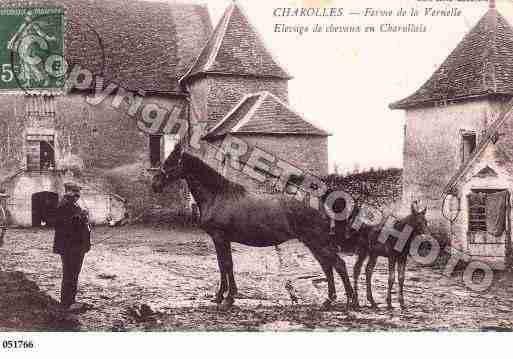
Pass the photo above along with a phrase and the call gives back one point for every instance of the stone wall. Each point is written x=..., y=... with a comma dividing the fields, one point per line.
x=307, y=153
x=215, y=95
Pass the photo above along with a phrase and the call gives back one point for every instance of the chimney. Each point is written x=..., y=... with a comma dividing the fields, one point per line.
x=491, y=4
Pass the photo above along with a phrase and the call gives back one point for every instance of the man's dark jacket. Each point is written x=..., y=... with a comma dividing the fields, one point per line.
x=72, y=233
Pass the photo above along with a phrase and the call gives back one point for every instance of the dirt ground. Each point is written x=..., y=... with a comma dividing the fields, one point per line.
x=141, y=278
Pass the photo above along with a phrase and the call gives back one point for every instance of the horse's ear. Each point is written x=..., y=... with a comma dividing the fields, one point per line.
x=414, y=206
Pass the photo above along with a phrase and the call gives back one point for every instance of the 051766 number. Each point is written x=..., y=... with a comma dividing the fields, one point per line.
x=17, y=344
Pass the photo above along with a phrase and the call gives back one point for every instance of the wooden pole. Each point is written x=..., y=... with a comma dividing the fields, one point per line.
x=508, y=232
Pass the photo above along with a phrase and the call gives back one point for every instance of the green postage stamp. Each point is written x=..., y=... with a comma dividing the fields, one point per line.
x=31, y=49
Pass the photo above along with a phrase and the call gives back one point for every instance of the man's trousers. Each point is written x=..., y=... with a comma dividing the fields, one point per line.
x=71, y=267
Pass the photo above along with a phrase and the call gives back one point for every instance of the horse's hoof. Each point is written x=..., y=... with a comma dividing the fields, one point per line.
x=217, y=300
x=373, y=305
x=352, y=305
x=225, y=305
x=327, y=305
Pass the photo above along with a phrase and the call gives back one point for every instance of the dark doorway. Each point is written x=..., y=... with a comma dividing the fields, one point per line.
x=155, y=151
x=44, y=208
x=47, y=154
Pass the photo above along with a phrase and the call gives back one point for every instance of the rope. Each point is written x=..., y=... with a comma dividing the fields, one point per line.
x=3, y=225
x=451, y=220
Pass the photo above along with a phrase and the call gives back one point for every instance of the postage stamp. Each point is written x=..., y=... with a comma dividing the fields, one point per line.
x=31, y=48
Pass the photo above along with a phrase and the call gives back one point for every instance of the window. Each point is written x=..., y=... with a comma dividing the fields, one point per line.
x=40, y=152
x=488, y=210
x=47, y=155
x=155, y=151
x=477, y=212
x=468, y=145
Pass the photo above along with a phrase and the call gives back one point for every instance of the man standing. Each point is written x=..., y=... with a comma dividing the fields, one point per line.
x=3, y=215
x=72, y=242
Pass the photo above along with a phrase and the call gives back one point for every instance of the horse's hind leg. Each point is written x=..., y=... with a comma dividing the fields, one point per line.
x=329, y=255
x=391, y=280
x=327, y=268
x=369, y=270
x=401, y=268
x=356, y=275
x=340, y=267
x=332, y=292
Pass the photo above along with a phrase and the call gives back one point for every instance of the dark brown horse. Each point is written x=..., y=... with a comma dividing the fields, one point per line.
x=230, y=213
x=368, y=245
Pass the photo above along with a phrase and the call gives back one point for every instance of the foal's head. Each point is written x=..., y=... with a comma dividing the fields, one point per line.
x=171, y=170
x=417, y=220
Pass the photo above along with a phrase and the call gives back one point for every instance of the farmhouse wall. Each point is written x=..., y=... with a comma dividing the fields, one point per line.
x=493, y=253
x=105, y=138
x=432, y=152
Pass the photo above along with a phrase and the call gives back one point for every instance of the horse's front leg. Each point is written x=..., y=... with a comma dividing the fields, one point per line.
x=225, y=261
x=232, y=286
x=223, y=283
x=391, y=280
x=356, y=275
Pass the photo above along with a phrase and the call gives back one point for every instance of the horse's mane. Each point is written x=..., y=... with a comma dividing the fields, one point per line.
x=213, y=177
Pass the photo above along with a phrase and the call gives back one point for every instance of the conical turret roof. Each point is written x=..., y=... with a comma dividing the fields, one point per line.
x=235, y=48
x=481, y=65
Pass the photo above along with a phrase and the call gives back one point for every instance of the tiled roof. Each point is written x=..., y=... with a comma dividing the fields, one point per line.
x=481, y=65
x=264, y=113
x=235, y=48
x=147, y=45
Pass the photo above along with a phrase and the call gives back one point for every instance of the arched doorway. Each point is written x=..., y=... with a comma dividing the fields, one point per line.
x=44, y=207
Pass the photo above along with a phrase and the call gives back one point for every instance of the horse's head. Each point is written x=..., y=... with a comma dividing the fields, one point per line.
x=417, y=220
x=171, y=170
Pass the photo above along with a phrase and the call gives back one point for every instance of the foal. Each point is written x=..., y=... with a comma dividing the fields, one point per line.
x=368, y=245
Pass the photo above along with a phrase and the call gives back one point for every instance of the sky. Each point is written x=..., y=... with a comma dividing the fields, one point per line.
x=344, y=82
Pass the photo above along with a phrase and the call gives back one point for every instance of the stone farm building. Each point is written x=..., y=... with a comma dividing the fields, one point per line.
x=224, y=78
x=459, y=142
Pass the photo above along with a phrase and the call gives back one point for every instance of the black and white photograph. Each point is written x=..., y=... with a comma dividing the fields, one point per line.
x=197, y=168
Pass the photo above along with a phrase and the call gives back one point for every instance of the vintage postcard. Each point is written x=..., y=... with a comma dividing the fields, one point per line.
x=255, y=166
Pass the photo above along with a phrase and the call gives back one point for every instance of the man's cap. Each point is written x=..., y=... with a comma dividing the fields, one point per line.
x=70, y=186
